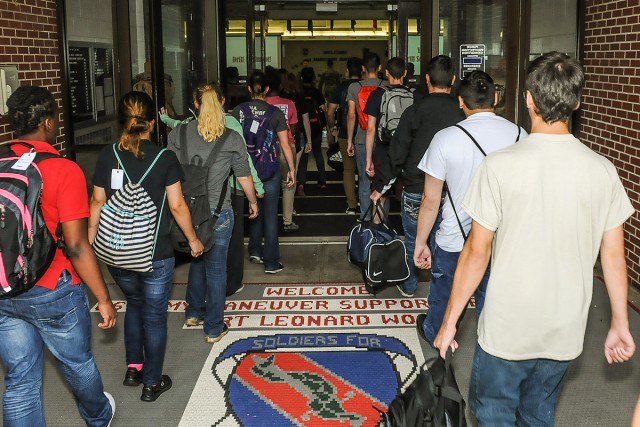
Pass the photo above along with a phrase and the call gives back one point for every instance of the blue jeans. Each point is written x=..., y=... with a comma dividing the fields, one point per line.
x=505, y=393
x=145, y=322
x=207, y=282
x=409, y=211
x=316, y=149
x=364, y=182
x=60, y=320
x=265, y=226
x=443, y=266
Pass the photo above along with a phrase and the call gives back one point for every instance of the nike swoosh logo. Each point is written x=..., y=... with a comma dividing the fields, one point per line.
x=377, y=273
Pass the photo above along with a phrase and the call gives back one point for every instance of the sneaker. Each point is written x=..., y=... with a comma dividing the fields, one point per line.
x=256, y=259
x=293, y=212
x=238, y=290
x=274, y=270
x=151, y=392
x=300, y=191
x=350, y=211
x=403, y=293
x=192, y=321
x=212, y=340
x=112, y=403
x=291, y=228
x=132, y=378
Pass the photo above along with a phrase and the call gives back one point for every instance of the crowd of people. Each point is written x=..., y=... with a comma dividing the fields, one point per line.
x=476, y=191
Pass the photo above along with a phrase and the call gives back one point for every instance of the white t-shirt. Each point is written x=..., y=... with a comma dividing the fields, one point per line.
x=453, y=157
x=549, y=199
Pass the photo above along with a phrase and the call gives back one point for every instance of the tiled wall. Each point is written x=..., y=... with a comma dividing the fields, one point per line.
x=611, y=102
x=29, y=41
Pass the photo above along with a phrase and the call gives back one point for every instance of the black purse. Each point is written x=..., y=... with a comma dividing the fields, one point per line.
x=433, y=399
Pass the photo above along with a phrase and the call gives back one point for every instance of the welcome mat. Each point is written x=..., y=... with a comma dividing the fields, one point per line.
x=307, y=355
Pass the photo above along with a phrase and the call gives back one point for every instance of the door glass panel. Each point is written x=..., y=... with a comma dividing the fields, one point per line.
x=413, y=46
x=140, y=42
x=471, y=33
x=182, y=38
x=183, y=50
x=553, y=27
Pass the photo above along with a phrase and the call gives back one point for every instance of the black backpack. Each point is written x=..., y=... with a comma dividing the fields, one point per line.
x=433, y=399
x=317, y=118
x=27, y=247
x=196, y=193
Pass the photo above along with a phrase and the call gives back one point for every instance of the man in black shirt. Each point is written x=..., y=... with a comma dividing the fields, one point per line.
x=375, y=148
x=417, y=126
x=338, y=103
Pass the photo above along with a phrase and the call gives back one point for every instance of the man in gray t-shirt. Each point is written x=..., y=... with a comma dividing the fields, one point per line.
x=356, y=100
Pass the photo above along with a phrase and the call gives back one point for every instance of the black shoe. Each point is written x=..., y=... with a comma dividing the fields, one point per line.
x=419, y=322
x=132, y=378
x=151, y=392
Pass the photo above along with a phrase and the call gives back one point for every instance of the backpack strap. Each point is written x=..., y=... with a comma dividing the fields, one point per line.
x=446, y=189
x=464, y=235
x=184, y=149
x=473, y=139
x=115, y=152
x=211, y=158
x=209, y=162
x=519, y=130
x=151, y=165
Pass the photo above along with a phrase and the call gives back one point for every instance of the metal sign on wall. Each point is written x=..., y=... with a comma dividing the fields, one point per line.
x=471, y=58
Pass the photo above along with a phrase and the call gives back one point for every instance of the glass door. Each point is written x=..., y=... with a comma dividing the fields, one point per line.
x=180, y=35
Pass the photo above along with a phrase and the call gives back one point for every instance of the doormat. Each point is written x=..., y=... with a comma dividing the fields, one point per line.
x=308, y=355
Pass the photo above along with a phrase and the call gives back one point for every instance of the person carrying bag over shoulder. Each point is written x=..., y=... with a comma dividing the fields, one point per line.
x=207, y=282
x=137, y=187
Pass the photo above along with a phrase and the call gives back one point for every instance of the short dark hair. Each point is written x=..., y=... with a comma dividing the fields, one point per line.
x=477, y=90
x=28, y=107
x=440, y=71
x=307, y=75
x=371, y=61
x=354, y=66
x=396, y=67
x=555, y=82
x=273, y=79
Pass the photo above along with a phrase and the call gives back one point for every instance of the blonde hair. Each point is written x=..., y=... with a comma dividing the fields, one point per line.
x=136, y=115
x=211, y=118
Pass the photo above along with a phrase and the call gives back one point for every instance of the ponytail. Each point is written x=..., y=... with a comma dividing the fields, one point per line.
x=258, y=84
x=211, y=117
x=136, y=115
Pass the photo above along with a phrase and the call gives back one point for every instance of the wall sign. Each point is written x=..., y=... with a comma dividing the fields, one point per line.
x=80, y=83
x=472, y=57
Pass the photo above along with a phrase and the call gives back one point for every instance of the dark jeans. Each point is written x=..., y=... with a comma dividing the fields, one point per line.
x=443, y=266
x=316, y=149
x=145, y=322
x=265, y=226
x=235, y=257
x=58, y=319
x=523, y=393
x=410, y=209
x=207, y=283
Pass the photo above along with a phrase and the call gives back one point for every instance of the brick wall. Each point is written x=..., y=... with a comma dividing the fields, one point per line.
x=611, y=102
x=29, y=41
